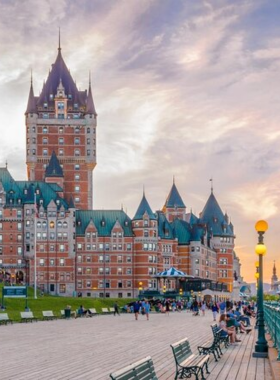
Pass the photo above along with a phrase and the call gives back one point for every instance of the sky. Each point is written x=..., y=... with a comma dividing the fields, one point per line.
x=183, y=88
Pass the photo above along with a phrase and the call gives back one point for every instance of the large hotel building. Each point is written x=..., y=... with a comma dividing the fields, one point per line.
x=97, y=253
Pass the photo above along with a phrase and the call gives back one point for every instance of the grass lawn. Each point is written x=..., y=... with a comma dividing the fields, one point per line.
x=15, y=305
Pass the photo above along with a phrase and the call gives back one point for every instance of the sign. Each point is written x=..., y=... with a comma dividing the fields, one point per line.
x=15, y=291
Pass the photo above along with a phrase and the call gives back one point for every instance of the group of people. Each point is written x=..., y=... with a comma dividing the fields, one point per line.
x=231, y=319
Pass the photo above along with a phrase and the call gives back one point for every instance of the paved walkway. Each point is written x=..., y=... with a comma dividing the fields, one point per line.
x=91, y=348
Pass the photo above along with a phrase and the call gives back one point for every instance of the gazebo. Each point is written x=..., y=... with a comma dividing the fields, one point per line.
x=172, y=274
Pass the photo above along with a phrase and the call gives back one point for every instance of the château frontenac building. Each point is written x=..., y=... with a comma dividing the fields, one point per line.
x=98, y=253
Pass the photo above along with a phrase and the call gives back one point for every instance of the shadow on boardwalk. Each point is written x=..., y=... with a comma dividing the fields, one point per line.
x=91, y=348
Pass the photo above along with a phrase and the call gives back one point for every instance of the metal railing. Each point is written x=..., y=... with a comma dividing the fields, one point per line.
x=272, y=321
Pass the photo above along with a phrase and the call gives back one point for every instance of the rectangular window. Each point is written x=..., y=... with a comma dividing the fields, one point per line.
x=62, y=262
x=77, y=177
x=79, y=259
x=128, y=247
x=62, y=288
x=128, y=259
x=77, y=141
x=120, y=259
x=77, y=167
x=41, y=262
x=77, y=188
x=60, y=152
x=52, y=262
x=61, y=140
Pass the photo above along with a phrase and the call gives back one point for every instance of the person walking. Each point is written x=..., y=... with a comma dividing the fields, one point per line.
x=203, y=307
x=215, y=310
x=136, y=308
x=116, y=309
x=147, y=308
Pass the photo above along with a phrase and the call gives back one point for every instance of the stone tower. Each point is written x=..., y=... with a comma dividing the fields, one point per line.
x=62, y=121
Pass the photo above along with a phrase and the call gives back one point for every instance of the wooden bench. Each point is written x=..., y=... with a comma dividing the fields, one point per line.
x=221, y=339
x=92, y=313
x=141, y=370
x=48, y=315
x=187, y=363
x=211, y=347
x=4, y=319
x=105, y=310
x=27, y=316
x=111, y=310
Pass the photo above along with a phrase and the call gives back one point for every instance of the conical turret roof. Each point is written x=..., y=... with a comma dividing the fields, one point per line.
x=90, y=108
x=54, y=169
x=31, y=104
x=174, y=199
x=143, y=208
x=214, y=218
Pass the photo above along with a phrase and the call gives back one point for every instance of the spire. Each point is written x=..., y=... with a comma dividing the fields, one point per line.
x=31, y=104
x=54, y=169
x=211, y=180
x=274, y=269
x=59, y=48
x=90, y=108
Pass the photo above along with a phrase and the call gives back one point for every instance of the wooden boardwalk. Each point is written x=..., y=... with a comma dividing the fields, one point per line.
x=91, y=348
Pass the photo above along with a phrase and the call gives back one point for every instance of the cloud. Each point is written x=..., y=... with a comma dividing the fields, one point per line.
x=181, y=88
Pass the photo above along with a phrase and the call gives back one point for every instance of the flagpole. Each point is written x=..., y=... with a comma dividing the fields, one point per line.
x=35, y=242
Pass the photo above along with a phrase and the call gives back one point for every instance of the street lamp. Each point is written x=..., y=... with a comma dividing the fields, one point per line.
x=261, y=347
x=140, y=288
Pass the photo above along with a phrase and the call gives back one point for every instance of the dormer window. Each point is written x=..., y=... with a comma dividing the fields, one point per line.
x=69, y=96
x=102, y=223
x=76, y=106
x=45, y=105
x=51, y=96
x=38, y=191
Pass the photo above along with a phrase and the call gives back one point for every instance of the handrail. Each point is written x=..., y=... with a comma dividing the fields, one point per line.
x=272, y=321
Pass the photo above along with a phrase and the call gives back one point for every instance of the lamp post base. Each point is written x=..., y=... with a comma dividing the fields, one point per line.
x=263, y=355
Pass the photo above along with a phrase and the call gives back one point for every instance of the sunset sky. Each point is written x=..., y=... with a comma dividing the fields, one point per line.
x=183, y=88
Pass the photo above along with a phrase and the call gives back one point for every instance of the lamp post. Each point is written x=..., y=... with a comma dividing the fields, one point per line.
x=140, y=288
x=257, y=276
x=261, y=347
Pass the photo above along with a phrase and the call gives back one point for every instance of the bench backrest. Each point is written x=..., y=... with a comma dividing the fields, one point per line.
x=26, y=314
x=105, y=310
x=215, y=329
x=62, y=312
x=112, y=310
x=47, y=313
x=181, y=350
x=4, y=317
x=93, y=311
x=143, y=369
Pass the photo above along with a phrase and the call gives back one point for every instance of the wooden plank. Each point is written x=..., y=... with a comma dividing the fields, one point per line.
x=92, y=348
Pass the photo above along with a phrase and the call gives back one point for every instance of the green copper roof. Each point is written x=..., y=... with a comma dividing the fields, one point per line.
x=54, y=169
x=143, y=208
x=165, y=230
x=182, y=231
x=104, y=221
x=10, y=186
x=174, y=199
x=45, y=191
x=191, y=218
x=214, y=218
x=197, y=233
